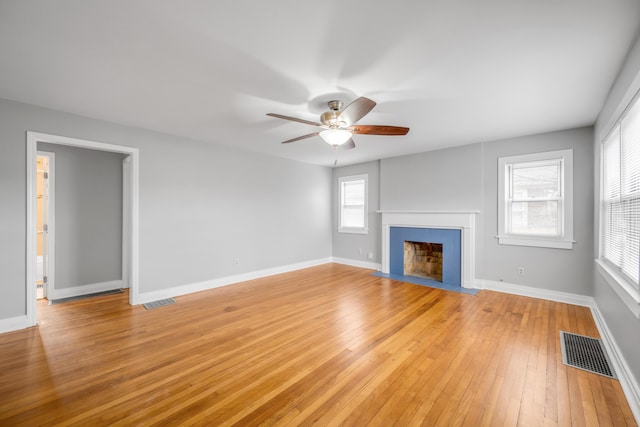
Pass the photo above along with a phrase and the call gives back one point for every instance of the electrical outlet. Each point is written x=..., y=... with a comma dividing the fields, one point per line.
x=370, y=255
x=236, y=261
x=359, y=251
x=521, y=271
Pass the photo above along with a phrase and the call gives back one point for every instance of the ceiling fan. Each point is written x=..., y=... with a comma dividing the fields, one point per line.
x=339, y=124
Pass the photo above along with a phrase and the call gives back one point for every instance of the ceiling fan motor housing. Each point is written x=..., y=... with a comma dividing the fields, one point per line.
x=335, y=105
x=330, y=118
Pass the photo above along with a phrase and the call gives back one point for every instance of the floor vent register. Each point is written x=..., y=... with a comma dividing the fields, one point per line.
x=585, y=353
x=159, y=303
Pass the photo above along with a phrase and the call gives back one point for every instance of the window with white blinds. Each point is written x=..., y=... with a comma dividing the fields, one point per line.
x=621, y=195
x=353, y=204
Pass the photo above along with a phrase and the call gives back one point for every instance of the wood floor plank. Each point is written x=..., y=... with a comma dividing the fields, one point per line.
x=328, y=345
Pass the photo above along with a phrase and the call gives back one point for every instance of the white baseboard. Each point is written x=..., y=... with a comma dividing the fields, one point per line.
x=628, y=382
x=146, y=297
x=54, y=294
x=357, y=263
x=527, y=291
x=13, y=324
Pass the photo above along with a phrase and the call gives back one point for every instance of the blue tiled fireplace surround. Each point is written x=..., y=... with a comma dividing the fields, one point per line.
x=450, y=239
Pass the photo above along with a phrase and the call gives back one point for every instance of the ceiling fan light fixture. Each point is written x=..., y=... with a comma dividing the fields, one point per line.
x=335, y=137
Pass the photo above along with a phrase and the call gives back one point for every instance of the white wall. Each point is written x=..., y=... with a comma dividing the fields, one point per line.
x=624, y=326
x=88, y=215
x=201, y=205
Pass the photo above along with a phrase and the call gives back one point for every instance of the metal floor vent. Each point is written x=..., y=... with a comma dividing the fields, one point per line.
x=80, y=297
x=585, y=353
x=159, y=303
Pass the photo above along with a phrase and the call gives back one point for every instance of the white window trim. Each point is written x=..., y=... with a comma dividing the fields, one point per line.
x=627, y=291
x=352, y=230
x=565, y=240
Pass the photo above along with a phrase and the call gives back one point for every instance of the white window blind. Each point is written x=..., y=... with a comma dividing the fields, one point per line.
x=621, y=195
x=353, y=203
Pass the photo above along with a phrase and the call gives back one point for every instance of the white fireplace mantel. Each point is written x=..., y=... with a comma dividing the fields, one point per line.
x=459, y=220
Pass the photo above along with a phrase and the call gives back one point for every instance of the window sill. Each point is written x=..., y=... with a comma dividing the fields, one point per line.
x=539, y=242
x=353, y=230
x=626, y=291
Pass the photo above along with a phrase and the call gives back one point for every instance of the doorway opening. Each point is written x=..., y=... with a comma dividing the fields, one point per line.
x=130, y=215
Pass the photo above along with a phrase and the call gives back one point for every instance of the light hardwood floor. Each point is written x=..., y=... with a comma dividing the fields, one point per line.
x=329, y=345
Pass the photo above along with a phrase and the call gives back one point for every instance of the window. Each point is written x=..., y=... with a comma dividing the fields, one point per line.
x=353, y=204
x=620, y=204
x=536, y=200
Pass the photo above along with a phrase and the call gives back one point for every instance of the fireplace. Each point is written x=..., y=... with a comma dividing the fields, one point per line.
x=449, y=258
x=423, y=259
x=454, y=230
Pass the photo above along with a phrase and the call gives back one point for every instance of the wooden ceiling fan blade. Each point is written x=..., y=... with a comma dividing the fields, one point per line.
x=349, y=145
x=300, y=137
x=294, y=119
x=356, y=110
x=379, y=130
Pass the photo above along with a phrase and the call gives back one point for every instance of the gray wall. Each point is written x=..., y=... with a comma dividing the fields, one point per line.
x=554, y=269
x=357, y=246
x=466, y=179
x=422, y=181
x=201, y=205
x=623, y=325
x=204, y=206
x=88, y=215
x=433, y=181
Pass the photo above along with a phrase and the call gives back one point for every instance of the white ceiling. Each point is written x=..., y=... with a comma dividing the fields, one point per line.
x=455, y=72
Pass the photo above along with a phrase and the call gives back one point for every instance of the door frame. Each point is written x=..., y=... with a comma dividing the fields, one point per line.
x=131, y=204
x=51, y=221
